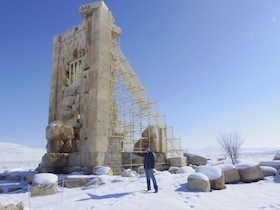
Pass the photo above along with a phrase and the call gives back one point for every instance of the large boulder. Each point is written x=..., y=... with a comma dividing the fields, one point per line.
x=230, y=172
x=44, y=184
x=198, y=182
x=268, y=171
x=249, y=172
x=55, y=160
x=273, y=163
x=195, y=159
x=215, y=175
x=58, y=130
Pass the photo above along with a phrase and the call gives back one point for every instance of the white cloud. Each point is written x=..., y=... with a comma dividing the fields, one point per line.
x=273, y=19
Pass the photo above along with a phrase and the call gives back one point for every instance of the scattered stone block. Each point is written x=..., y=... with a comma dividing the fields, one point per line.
x=178, y=161
x=70, y=182
x=195, y=159
x=230, y=173
x=44, y=184
x=42, y=190
x=249, y=172
x=215, y=175
x=199, y=182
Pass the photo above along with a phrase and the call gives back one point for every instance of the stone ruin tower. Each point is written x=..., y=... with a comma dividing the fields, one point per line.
x=99, y=112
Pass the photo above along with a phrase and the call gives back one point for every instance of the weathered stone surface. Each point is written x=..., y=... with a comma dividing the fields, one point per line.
x=199, y=182
x=68, y=101
x=195, y=159
x=157, y=138
x=11, y=206
x=20, y=206
x=268, y=171
x=249, y=173
x=76, y=182
x=230, y=173
x=70, y=90
x=59, y=131
x=54, y=145
x=42, y=190
x=178, y=161
x=51, y=160
x=67, y=147
x=215, y=175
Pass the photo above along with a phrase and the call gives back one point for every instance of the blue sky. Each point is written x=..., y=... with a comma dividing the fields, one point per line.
x=213, y=66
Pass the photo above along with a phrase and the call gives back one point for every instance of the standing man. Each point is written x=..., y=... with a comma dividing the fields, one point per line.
x=149, y=165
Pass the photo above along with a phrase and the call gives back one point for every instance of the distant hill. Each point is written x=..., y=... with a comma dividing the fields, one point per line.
x=19, y=156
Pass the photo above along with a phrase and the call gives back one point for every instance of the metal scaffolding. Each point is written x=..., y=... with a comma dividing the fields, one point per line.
x=132, y=110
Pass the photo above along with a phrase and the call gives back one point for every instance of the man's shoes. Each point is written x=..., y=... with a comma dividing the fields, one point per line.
x=148, y=190
x=156, y=191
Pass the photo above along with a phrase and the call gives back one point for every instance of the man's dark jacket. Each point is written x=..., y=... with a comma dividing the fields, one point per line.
x=149, y=160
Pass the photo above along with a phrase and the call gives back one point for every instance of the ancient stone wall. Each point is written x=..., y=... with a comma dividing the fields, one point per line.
x=80, y=94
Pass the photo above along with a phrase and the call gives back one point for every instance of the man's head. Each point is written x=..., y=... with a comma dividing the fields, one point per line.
x=147, y=148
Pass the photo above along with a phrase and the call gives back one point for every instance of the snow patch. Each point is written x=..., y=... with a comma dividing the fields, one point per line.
x=268, y=168
x=212, y=172
x=45, y=178
x=245, y=165
x=226, y=167
x=185, y=169
x=199, y=176
x=102, y=170
x=270, y=163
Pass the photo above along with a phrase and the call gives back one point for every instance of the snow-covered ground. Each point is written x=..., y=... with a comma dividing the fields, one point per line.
x=121, y=193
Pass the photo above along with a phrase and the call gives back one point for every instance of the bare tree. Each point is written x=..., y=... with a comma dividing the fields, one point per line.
x=231, y=143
